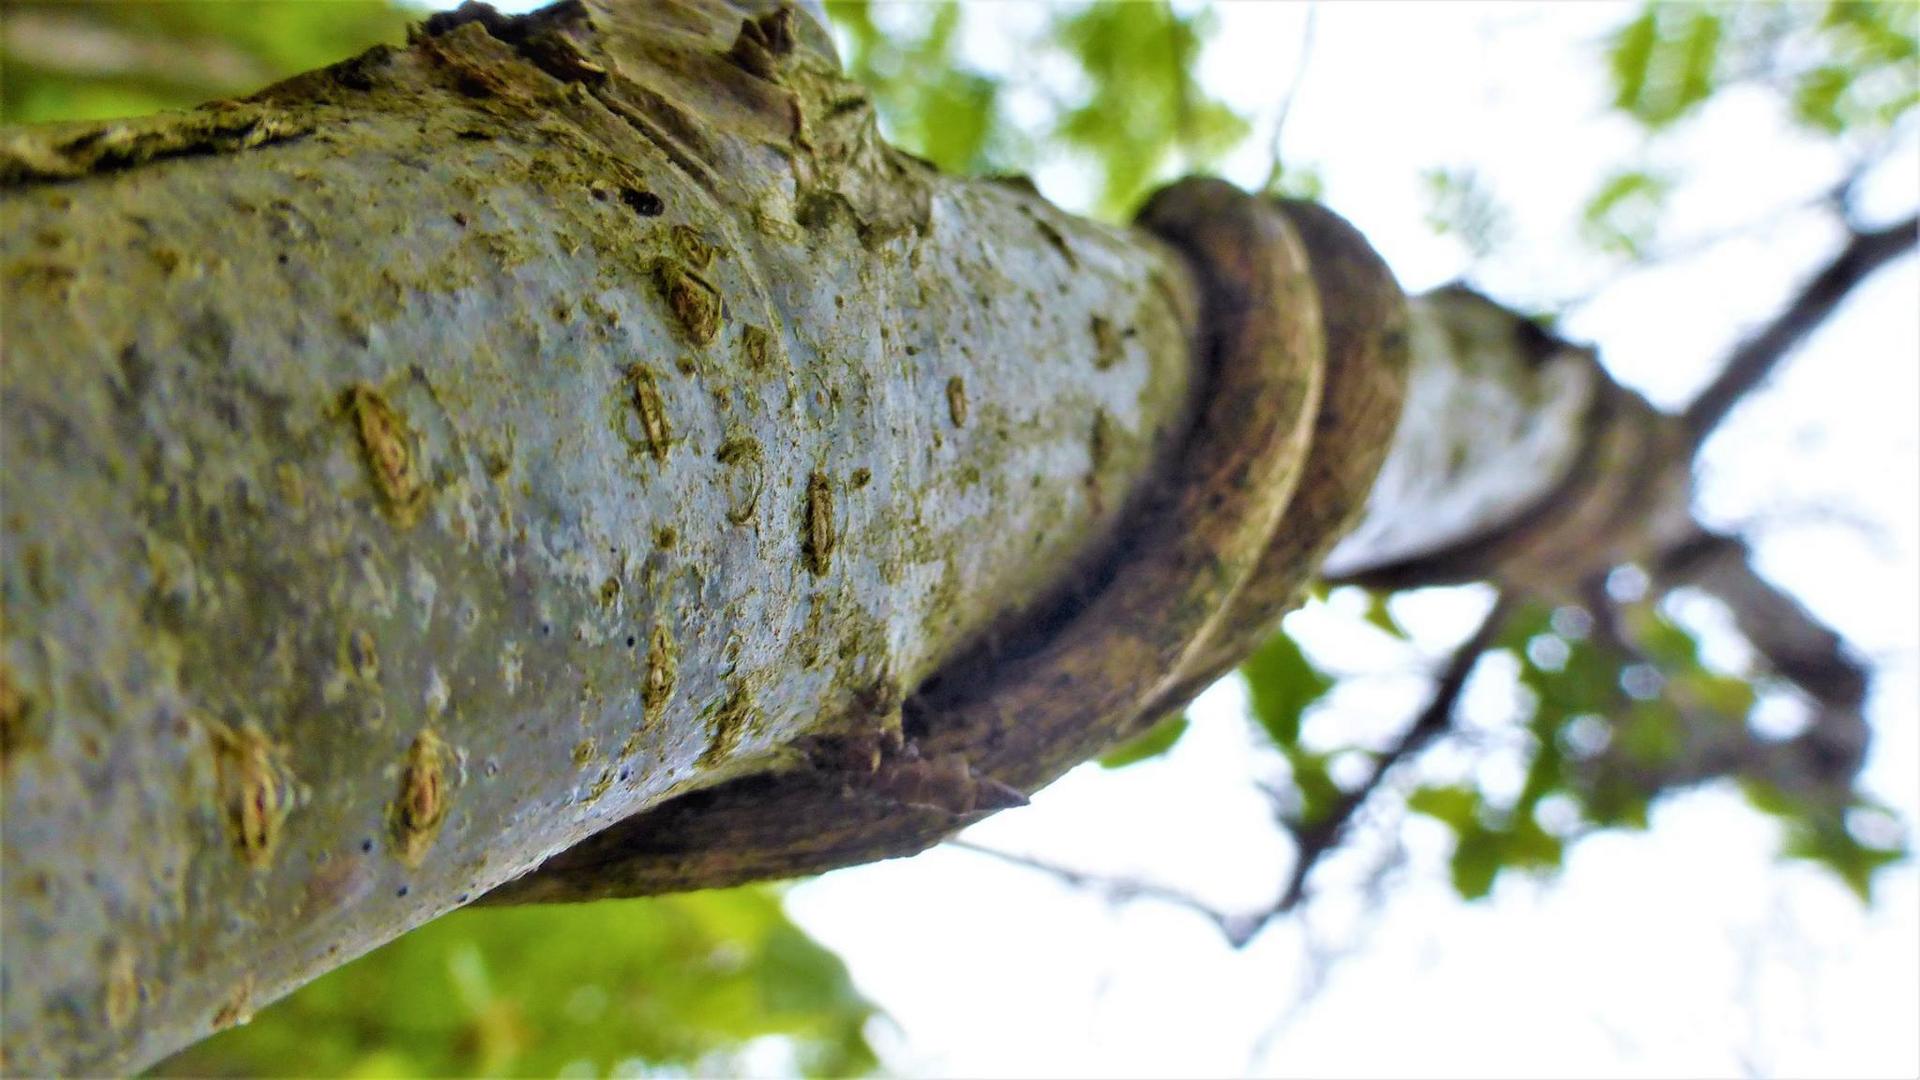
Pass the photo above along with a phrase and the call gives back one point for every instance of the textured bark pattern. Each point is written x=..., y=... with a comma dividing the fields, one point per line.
x=1026, y=710
x=435, y=458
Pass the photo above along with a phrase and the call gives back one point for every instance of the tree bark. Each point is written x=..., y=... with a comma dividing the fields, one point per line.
x=430, y=460
x=419, y=467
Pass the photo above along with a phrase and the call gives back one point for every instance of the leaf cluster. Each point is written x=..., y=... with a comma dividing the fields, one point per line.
x=614, y=987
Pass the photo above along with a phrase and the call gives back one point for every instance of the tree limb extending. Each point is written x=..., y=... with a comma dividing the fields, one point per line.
x=1317, y=837
x=1759, y=355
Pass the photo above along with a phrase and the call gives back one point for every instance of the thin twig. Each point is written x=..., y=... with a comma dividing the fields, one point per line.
x=1757, y=357
x=1313, y=841
x=1117, y=889
x=1183, y=100
x=1317, y=838
x=1293, y=91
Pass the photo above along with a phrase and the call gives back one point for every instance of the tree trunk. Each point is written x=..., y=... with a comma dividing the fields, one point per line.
x=584, y=418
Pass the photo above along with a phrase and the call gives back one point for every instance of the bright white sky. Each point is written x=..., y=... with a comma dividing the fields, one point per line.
x=1689, y=950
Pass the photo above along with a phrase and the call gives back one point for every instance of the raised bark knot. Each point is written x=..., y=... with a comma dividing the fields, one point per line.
x=643, y=392
x=746, y=477
x=16, y=719
x=538, y=36
x=121, y=993
x=1106, y=343
x=732, y=717
x=657, y=688
x=763, y=42
x=694, y=301
x=820, y=537
x=957, y=401
x=257, y=789
x=420, y=808
x=758, y=345
x=387, y=444
x=681, y=278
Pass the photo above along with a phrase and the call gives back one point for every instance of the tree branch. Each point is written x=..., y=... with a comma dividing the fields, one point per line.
x=1795, y=645
x=1118, y=889
x=1317, y=838
x=1756, y=358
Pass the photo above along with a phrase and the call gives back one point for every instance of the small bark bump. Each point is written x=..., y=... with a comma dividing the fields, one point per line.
x=122, y=990
x=387, y=443
x=1106, y=343
x=362, y=654
x=820, y=538
x=656, y=434
x=257, y=789
x=421, y=806
x=746, y=477
x=730, y=721
x=17, y=732
x=758, y=345
x=657, y=690
x=694, y=301
x=237, y=1009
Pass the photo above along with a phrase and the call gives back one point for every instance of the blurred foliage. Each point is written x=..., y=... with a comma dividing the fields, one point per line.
x=1606, y=731
x=1846, y=70
x=62, y=60
x=1461, y=204
x=1132, y=112
x=1623, y=216
x=1156, y=741
x=674, y=984
x=1144, y=108
x=929, y=101
x=1845, y=67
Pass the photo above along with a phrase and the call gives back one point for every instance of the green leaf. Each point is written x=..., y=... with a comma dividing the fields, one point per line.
x=678, y=982
x=1476, y=862
x=1527, y=845
x=1629, y=57
x=1817, y=98
x=1154, y=742
x=1624, y=214
x=1664, y=62
x=1281, y=683
x=1304, y=182
x=1456, y=805
x=1312, y=783
x=1832, y=846
x=1619, y=803
x=930, y=103
x=1462, y=205
x=1545, y=775
x=1699, y=49
x=1381, y=616
x=1650, y=733
x=1145, y=112
x=1666, y=643
x=1769, y=799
